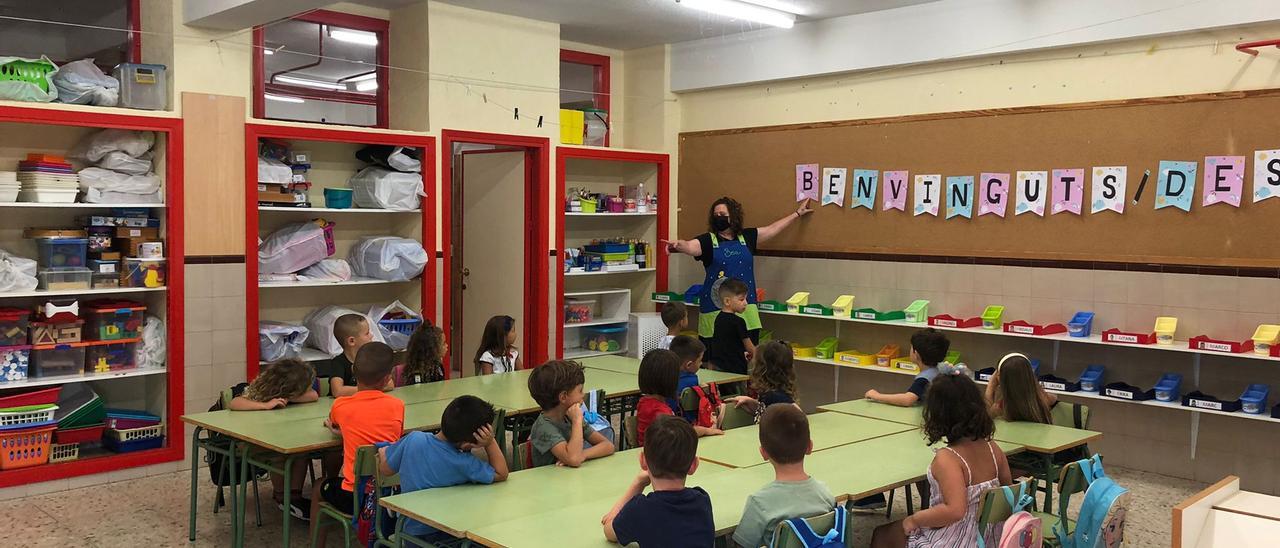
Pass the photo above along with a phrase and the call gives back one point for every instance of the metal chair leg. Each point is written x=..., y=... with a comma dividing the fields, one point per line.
x=888, y=508
x=257, y=498
x=195, y=479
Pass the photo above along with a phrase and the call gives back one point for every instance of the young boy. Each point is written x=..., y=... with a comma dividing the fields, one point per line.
x=672, y=515
x=928, y=347
x=676, y=317
x=365, y=418
x=559, y=431
x=784, y=442
x=730, y=346
x=352, y=332
x=689, y=350
x=444, y=459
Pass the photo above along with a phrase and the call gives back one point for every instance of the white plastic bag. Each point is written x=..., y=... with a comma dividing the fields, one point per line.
x=151, y=351
x=271, y=170
x=382, y=188
x=333, y=270
x=94, y=147
x=292, y=248
x=278, y=340
x=12, y=278
x=320, y=323
x=387, y=258
x=400, y=161
x=397, y=341
x=83, y=83
x=14, y=90
x=24, y=265
x=112, y=181
x=123, y=163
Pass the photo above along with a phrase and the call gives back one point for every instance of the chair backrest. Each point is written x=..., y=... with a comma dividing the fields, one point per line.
x=226, y=398
x=1071, y=480
x=500, y=429
x=630, y=428
x=1064, y=414
x=995, y=508
x=523, y=457
x=688, y=400
x=735, y=417
x=784, y=537
x=323, y=391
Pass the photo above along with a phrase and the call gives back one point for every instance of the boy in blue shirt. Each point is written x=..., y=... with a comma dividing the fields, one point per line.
x=672, y=516
x=444, y=459
x=689, y=350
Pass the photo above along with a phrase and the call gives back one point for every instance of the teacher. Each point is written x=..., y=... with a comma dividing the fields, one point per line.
x=728, y=251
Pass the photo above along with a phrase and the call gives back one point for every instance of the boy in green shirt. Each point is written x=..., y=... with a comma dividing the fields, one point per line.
x=784, y=441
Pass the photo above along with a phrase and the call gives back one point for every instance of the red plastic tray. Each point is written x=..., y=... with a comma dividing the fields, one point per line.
x=1025, y=328
x=39, y=397
x=1203, y=342
x=944, y=320
x=87, y=434
x=1118, y=336
x=1275, y=351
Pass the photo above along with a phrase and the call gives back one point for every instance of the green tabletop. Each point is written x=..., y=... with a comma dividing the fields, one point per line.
x=631, y=366
x=465, y=508
x=876, y=410
x=740, y=447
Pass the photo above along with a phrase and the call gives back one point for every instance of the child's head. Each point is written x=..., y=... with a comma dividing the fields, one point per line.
x=499, y=334
x=929, y=346
x=670, y=448
x=462, y=418
x=557, y=384
x=733, y=295
x=675, y=316
x=659, y=373
x=955, y=410
x=773, y=369
x=352, y=331
x=288, y=378
x=373, y=365
x=1019, y=392
x=426, y=349
x=689, y=350
x=784, y=435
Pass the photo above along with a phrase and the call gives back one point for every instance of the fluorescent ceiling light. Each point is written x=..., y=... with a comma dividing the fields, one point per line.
x=266, y=51
x=282, y=98
x=311, y=83
x=354, y=36
x=741, y=10
x=366, y=85
x=779, y=5
x=363, y=77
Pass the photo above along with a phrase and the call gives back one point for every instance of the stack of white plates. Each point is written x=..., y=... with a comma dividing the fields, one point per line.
x=9, y=186
x=48, y=187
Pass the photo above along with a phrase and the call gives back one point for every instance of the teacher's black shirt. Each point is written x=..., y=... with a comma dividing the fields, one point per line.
x=750, y=235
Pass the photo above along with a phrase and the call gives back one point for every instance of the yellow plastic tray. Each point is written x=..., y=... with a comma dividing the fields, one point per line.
x=804, y=351
x=853, y=357
x=905, y=364
x=796, y=301
x=886, y=355
x=843, y=306
x=1264, y=338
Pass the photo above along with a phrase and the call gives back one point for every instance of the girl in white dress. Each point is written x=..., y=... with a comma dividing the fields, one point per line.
x=498, y=352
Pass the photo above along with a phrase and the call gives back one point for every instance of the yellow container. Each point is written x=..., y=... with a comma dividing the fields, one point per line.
x=843, y=307
x=1264, y=338
x=1165, y=328
x=853, y=357
x=803, y=351
x=904, y=364
x=885, y=356
x=800, y=299
x=571, y=127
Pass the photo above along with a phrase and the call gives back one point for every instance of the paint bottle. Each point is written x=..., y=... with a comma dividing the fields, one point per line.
x=642, y=256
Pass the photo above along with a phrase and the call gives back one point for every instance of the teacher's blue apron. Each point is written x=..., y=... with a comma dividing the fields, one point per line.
x=729, y=259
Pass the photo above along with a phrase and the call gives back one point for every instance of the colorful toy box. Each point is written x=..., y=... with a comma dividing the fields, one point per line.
x=14, y=323
x=58, y=359
x=115, y=320
x=143, y=272
x=14, y=362
x=115, y=356
x=1081, y=325
x=609, y=338
x=1263, y=338
x=578, y=310
x=46, y=333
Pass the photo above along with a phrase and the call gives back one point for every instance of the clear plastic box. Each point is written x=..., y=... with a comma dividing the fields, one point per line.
x=611, y=338
x=143, y=86
x=14, y=362
x=115, y=320
x=60, y=359
x=55, y=279
x=103, y=358
x=63, y=252
x=143, y=273
x=14, y=323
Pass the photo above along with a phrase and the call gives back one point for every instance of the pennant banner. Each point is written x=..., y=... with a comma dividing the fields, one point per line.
x=865, y=182
x=1030, y=192
x=833, y=184
x=1068, y=190
x=1266, y=174
x=928, y=189
x=895, y=190
x=1109, y=188
x=1223, y=180
x=1175, y=185
x=960, y=197
x=993, y=193
x=806, y=182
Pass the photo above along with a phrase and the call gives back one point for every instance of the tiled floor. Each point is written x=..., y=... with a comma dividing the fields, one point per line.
x=153, y=512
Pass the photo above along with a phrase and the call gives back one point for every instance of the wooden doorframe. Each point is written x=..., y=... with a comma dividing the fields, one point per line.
x=537, y=221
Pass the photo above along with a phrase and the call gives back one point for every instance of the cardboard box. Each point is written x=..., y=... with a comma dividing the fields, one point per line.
x=137, y=232
x=105, y=256
x=129, y=246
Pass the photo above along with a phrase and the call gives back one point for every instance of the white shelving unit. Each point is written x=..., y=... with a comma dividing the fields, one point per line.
x=81, y=377
x=308, y=354
x=85, y=292
x=337, y=210
x=313, y=283
x=76, y=205
x=608, y=215
x=609, y=272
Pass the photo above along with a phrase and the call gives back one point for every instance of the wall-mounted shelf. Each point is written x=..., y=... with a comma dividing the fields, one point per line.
x=608, y=272
x=608, y=215
x=84, y=292
x=77, y=205
x=353, y=281
x=343, y=210
x=81, y=377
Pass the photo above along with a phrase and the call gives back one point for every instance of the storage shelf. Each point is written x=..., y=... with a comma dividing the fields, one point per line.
x=87, y=292
x=633, y=214
x=579, y=353
x=595, y=322
x=81, y=377
x=853, y=366
x=353, y=281
x=606, y=291
x=336, y=210
x=90, y=109
x=308, y=354
x=76, y=205
x=1157, y=403
x=607, y=272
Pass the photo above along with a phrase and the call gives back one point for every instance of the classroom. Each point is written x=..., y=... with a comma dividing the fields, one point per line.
x=657, y=273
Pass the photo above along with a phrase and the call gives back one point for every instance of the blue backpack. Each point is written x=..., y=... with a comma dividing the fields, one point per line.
x=1102, y=515
x=832, y=539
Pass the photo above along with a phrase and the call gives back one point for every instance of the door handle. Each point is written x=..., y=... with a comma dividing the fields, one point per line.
x=466, y=271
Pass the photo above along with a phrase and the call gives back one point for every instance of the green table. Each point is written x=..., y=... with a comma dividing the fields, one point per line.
x=631, y=366
x=740, y=447
x=876, y=410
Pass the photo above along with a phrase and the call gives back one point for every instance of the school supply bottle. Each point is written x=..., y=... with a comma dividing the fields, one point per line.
x=642, y=257
x=642, y=201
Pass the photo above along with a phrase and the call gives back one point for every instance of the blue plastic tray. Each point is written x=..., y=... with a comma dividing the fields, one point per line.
x=135, y=445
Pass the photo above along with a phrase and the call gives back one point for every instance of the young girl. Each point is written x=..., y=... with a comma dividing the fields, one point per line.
x=283, y=382
x=425, y=360
x=659, y=377
x=773, y=378
x=971, y=463
x=498, y=352
x=1014, y=393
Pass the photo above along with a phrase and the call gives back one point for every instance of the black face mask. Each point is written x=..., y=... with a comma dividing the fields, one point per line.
x=720, y=223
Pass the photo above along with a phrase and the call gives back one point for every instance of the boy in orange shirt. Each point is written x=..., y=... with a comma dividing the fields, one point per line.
x=367, y=417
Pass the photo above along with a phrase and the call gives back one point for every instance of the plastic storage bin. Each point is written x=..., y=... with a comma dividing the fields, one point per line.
x=125, y=419
x=993, y=317
x=1165, y=328
x=338, y=198
x=1263, y=338
x=579, y=310
x=886, y=355
x=14, y=362
x=114, y=320
x=853, y=357
x=611, y=338
x=801, y=351
x=143, y=273
x=47, y=333
x=1168, y=388
x=142, y=86
x=64, y=452
x=63, y=252
x=26, y=447
x=134, y=439
x=27, y=417
x=1254, y=399
x=827, y=348
x=48, y=396
x=85, y=434
x=104, y=281
x=917, y=311
x=842, y=307
x=1091, y=379
x=797, y=301
x=59, y=359
x=104, y=358
x=1081, y=325
x=65, y=278
x=13, y=326
x=403, y=326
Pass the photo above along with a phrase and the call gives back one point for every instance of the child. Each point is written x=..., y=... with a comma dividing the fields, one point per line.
x=281, y=383
x=672, y=515
x=659, y=376
x=498, y=352
x=689, y=350
x=928, y=347
x=730, y=345
x=352, y=332
x=676, y=317
x=444, y=459
x=425, y=360
x=784, y=441
x=365, y=418
x=1015, y=394
x=558, y=432
x=773, y=379
x=970, y=464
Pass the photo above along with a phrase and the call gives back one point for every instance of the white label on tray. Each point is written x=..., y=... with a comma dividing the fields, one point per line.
x=1024, y=329
x=907, y=366
x=1120, y=393
x=1216, y=347
x=1054, y=385
x=1204, y=404
x=812, y=310
x=1115, y=337
x=107, y=268
x=866, y=316
x=946, y=323
x=662, y=298
x=984, y=376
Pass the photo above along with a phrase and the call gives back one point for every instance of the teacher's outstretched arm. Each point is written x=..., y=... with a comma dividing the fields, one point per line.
x=692, y=248
x=768, y=232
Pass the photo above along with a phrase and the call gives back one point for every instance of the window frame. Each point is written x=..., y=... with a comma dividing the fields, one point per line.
x=600, y=66
x=381, y=27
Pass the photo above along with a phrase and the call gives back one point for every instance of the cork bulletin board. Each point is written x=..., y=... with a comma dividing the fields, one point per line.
x=757, y=167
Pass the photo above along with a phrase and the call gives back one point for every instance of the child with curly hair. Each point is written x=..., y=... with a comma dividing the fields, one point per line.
x=280, y=384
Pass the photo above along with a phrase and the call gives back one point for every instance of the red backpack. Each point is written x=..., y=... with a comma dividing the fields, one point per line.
x=708, y=405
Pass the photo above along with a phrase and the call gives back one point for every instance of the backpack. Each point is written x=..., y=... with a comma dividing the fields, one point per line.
x=364, y=517
x=708, y=404
x=1102, y=514
x=832, y=539
x=1020, y=530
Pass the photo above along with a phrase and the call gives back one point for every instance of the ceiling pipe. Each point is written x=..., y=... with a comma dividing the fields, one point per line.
x=319, y=58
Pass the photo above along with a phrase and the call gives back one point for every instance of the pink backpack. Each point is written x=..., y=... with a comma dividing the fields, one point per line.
x=1021, y=530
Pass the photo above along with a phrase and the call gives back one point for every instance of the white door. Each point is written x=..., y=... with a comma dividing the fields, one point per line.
x=493, y=254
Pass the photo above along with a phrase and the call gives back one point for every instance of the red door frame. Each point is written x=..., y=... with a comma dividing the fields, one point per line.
x=663, y=162
x=254, y=132
x=601, y=65
x=537, y=178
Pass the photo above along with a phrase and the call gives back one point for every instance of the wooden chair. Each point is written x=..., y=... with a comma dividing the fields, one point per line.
x=784, y=537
